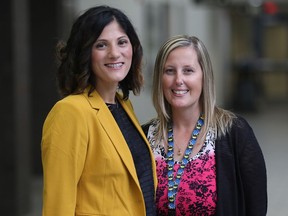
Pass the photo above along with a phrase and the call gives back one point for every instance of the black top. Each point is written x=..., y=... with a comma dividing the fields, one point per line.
x=140, y=154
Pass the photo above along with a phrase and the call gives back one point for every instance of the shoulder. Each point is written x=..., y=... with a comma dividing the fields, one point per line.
x=70, y=108
x=239, y=132
x=128, y=103
x=239, y=128
x=242, y=135
x=151, y=125
x=76, y=99
x=240, y=124
x=72, y=103
x=151, y=130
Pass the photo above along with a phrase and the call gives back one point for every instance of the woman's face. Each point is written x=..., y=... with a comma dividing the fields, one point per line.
x=111, y=56
x=182, y=78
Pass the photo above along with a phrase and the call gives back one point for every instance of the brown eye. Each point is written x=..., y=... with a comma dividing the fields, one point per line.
x=100, y=45
x=123, y=42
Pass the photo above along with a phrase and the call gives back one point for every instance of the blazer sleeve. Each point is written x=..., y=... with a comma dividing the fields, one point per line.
x=64, y=144
x=252, y=168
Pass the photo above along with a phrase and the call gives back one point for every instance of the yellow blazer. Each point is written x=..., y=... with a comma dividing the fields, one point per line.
x=87, y=165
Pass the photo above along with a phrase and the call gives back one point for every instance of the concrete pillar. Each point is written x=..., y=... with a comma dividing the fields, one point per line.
x=15, y=109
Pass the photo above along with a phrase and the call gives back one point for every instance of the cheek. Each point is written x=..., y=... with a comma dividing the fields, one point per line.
x=198, y=85
x=128, y=52
x=166, y=86
x=95, y=66
x=130, y=55
x=95, y=58
x=166, y=81
x=200, y=82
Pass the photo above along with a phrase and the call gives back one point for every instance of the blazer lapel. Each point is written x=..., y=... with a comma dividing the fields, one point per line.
x=110, y=126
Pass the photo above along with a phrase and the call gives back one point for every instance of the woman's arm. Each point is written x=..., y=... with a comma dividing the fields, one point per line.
x=64, y=143
x=252, y=170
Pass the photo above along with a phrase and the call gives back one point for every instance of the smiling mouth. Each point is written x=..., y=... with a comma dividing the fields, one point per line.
x=115, y=66
x=180, y=92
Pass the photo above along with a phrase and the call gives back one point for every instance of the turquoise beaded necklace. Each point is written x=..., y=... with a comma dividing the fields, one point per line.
x=174, y=182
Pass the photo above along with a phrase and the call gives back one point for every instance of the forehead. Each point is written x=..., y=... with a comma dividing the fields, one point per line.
x=112, y=30
x=182, y=54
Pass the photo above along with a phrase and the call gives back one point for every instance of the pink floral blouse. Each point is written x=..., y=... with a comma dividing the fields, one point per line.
x=196, y=193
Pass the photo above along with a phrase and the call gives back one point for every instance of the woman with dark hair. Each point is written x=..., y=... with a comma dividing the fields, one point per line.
x=208, y=159
x=96, y=159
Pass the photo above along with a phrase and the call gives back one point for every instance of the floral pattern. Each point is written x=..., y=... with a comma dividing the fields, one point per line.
x=196, y=193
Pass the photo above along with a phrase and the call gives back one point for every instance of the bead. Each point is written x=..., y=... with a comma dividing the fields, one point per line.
x=173, y=183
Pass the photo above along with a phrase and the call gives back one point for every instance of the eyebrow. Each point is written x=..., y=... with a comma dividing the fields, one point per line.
x=119, y=38
x=172, y=66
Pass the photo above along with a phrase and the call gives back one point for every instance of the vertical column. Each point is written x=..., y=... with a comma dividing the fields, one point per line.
x=21, y=104
x=7, y=160
x=14, y=86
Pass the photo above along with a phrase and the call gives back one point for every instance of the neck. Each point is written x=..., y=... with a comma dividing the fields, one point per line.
x=181, y=132
x=107, y=94
x=185, y=121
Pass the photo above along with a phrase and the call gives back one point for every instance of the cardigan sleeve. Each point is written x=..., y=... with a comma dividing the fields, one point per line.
x=64, y=144
x=241, y=172
x=252, y=168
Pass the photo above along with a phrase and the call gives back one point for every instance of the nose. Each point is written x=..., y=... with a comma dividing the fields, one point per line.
x=114, y=51
x=179, y=79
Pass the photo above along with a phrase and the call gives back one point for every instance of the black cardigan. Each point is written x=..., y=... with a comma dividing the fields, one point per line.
x=240, y=172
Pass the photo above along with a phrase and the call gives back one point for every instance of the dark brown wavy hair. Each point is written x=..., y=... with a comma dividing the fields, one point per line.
x=74, y=72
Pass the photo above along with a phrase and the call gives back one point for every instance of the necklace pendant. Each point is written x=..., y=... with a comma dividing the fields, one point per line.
x=179, y=152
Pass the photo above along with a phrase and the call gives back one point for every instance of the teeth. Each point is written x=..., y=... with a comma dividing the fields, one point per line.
x=114, y=65
x=180, y=91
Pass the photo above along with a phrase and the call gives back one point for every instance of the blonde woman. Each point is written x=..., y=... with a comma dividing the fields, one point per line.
x=208, y=159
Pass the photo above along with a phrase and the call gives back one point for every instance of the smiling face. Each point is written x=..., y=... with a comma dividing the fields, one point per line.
x=111, y=56
x=182, y=79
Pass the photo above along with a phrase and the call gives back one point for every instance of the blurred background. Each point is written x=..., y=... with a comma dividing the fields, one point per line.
x=248, y=44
